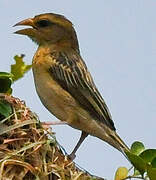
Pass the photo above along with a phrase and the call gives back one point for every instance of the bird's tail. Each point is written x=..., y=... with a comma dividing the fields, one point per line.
x=119, y=144
x=119, y=141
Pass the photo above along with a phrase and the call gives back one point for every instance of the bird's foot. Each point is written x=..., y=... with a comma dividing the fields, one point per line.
x=72, y=156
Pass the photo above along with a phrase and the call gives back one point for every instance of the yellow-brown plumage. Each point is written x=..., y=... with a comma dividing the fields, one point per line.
x=63, y=82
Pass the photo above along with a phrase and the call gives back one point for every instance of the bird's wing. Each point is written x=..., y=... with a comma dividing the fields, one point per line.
x=70, y=71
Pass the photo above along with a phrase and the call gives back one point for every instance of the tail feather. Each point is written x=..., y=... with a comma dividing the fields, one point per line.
x=119, y=141
x=119, y=144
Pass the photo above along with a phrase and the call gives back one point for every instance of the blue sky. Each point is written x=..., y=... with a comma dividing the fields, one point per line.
x=118, y=42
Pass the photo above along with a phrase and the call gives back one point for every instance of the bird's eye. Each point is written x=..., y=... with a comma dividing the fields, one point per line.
x=43, y=23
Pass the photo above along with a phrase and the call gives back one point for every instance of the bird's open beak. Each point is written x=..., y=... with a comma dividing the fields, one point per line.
x=27, y=31
x=26, y=22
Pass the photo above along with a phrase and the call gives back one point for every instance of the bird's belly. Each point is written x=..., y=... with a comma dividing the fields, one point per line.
x=53, y=97
x=62, y=105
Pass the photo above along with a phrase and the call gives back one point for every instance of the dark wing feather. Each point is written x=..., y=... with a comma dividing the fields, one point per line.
x=70, y=71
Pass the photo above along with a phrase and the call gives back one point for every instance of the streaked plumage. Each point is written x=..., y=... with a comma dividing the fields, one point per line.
x=70, y=71
x=63, y=82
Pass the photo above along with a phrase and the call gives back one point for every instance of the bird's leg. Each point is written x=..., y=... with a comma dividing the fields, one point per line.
x=54, y=123
x=83, y=136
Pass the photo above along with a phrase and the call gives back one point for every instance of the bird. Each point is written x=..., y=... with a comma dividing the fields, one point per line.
x=63, y=81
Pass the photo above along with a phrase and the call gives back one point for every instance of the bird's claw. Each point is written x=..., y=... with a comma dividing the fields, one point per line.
x=72, y=156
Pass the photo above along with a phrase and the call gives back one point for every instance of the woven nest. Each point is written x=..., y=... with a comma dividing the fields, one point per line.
x=29, y=151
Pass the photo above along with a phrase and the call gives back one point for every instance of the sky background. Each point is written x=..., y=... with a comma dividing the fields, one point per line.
x=118, y=42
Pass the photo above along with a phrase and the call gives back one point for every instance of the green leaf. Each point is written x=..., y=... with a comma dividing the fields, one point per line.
x=121, y=173
x=151, y=172
x=148, y=155
x=137, y=162
x=19, y=68
x=5, y=82
x=5, y=109
x=153, y=163
x=5, y=75
x=137, y=148
x=136, y=172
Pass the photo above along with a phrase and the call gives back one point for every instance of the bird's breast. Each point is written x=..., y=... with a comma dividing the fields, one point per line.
x=53, y=96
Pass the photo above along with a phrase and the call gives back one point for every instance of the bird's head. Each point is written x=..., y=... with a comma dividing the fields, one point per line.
x=49, y=28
